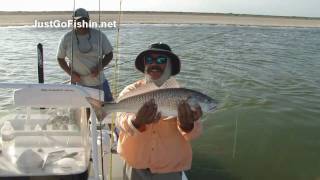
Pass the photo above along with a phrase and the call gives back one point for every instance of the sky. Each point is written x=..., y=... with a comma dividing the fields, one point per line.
x=305, y=8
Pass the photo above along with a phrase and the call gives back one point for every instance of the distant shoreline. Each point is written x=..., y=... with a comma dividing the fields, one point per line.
x=21, y=18
x=155, y=12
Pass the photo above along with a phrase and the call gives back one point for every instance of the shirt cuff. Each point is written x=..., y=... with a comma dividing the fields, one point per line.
x=135, y=130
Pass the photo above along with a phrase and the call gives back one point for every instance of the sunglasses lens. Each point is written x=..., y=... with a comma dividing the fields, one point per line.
x=162, y=60
x=159, y=60
x=148, y=60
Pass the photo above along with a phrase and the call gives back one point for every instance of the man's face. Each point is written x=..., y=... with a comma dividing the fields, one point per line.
x=82, y=23
x=155, y=64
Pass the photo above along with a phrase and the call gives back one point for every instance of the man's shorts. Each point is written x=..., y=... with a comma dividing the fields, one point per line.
x=107, y=91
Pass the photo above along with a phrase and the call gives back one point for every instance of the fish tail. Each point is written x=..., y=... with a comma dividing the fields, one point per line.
x=98, y=107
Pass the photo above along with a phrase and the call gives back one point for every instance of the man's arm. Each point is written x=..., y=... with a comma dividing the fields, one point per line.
x=123, y=119
x=75, y=77
x=63, y=64
x=189, y=123
x=194, y=133
x=131, y=123
x=105, y=61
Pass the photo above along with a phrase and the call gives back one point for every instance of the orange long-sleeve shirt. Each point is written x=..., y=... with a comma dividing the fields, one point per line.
x=163, y=147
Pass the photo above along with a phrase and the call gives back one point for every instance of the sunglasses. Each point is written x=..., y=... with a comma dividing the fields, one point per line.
x=161, y=59
x=85, y=19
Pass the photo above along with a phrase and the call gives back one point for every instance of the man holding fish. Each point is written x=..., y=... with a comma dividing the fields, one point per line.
x=158, y=118
x=155, y=146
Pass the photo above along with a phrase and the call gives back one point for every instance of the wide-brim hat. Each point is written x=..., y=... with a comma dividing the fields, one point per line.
x=163, y=49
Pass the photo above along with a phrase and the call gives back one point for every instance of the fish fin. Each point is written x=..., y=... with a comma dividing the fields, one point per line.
x=94, y=102
x=97, y=106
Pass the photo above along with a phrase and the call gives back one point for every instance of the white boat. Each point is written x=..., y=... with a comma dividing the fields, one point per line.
x=51, y=135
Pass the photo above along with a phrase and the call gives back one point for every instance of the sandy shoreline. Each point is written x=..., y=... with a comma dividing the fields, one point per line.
x=28, y=18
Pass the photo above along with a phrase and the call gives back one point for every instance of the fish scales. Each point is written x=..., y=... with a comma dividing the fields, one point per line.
x=166, y=99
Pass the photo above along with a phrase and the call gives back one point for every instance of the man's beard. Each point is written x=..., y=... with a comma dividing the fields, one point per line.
x=164, y=77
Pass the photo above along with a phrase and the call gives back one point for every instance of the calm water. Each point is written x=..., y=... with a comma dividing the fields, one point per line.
x=266, y=80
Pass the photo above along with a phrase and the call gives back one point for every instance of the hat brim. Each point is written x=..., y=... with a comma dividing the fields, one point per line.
x=175, y=61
